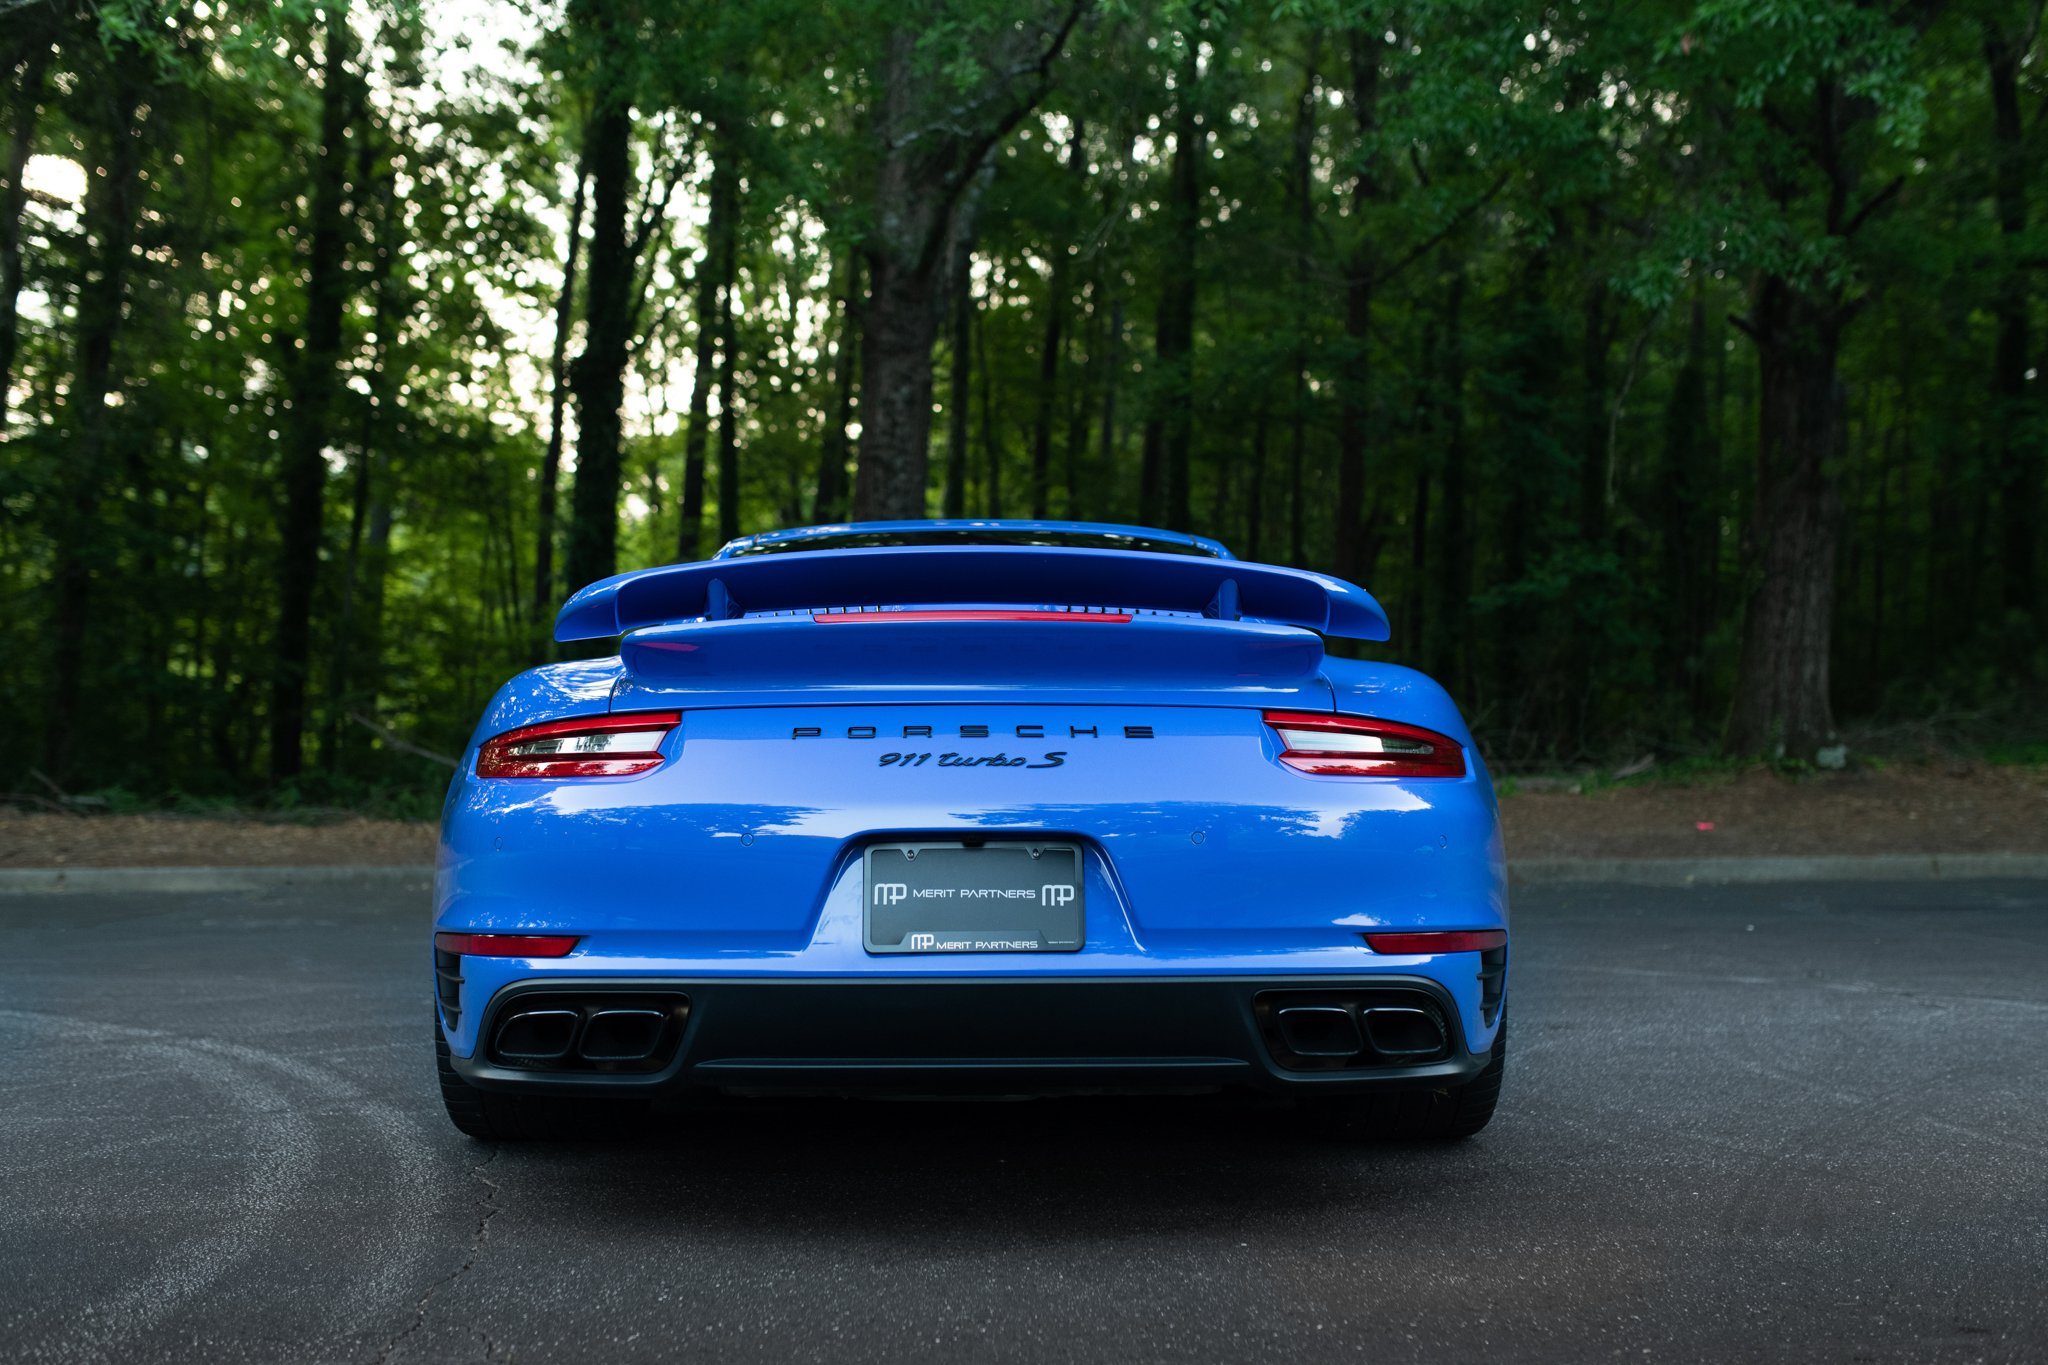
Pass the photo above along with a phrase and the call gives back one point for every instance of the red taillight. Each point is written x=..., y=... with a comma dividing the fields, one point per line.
x=1439, y=941
x=507, y=945
x=1355, y=746
x=835, y=618
x=588, y=746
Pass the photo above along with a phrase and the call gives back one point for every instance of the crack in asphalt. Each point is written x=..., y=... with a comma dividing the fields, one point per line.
x=487, y=1209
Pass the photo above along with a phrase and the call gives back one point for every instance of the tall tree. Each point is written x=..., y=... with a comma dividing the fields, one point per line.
x=715, y=273
x=599, y=374
x=935, y=142
x=545, y=592
x=834, y=447
x=315, y=382
x=2016, y=433
x=960, y=379
x=1169, y=416
x=119, y=94
x=1049, y=348
x=1798, y=177
x=1301, y=200
x=29, y=58
x=1355, y=550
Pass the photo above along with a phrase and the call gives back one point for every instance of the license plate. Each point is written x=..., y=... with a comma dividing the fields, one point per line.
x=960, y=898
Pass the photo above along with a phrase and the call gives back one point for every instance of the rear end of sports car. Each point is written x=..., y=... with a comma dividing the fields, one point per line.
x=1006, y=812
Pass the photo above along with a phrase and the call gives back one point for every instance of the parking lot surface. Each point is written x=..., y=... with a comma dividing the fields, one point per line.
x=1795, y=1122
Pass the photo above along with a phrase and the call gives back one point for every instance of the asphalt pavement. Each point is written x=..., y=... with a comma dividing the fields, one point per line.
x=1761, y=1122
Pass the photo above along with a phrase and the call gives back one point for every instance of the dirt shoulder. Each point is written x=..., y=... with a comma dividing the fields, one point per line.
x=39, y=840
x=1921, y=808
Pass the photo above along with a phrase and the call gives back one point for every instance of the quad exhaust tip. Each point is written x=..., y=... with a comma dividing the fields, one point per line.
x=1402, y=1033
x=1338, y=1030
x=572, y=1034
x=622, y=1035
x=538, y=1035
x=1320, y=1031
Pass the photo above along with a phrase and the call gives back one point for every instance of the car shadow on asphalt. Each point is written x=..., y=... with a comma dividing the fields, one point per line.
x=1005, y=1169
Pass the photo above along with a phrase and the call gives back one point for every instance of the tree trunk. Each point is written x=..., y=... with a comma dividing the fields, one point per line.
x=1687, y=448
x=1354, y=389
x=348, y=646
x=1255, y=488
x=1453, y=570
x=1527, y=378
x=315, y=383
x=991, y=449
x=544, y=591
x=1299, y=185
x=830, y=503
x=931, y=169
x=1056, y=290
x=712, y=274
x=1597, y=344
x=1112, y=373
x=1417, y=627
x=2017, y=459
x=598, y=377
x=28, y=94
x=728, y=403
x=1081, y=401
x=1048, y=386
x=1169, y=420
x=896, y=391
x=1782, y=705
x=960, y=367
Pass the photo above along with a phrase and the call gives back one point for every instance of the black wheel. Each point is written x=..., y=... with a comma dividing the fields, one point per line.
x=1444, y=1114
x=492, y=1116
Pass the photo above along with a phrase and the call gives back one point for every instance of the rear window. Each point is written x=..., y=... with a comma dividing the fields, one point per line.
x=1085, y=540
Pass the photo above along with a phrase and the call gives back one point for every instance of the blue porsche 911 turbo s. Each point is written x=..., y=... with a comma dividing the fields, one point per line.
x=970, y=807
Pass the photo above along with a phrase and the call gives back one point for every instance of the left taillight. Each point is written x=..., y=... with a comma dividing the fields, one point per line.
x=588, y=746
x=1358, y=746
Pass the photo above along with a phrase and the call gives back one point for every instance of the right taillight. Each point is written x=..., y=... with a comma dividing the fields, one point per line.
x=1358, y=746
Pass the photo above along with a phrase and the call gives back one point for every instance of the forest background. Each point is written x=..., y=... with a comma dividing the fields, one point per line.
x=1669, y=367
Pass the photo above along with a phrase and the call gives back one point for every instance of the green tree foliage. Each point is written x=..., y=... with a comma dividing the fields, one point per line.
x=1670, y=370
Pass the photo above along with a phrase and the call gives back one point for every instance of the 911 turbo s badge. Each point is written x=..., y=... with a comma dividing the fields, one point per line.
x=1054, y=759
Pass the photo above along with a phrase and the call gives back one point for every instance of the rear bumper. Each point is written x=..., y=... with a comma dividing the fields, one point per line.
x=991, y=1035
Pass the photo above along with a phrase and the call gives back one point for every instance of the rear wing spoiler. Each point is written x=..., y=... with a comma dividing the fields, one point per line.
x=981, y=575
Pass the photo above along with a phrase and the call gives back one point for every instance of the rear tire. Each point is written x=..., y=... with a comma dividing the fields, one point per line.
x=493, y=1116
x=1443, y=1114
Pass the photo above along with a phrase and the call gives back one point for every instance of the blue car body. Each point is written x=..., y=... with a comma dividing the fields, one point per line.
x=1018, y=685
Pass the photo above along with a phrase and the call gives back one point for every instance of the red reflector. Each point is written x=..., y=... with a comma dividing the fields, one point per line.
x=507, y=945
x=1329, y=745
x=839, y=618
x=587, y=746
x=1444, y=941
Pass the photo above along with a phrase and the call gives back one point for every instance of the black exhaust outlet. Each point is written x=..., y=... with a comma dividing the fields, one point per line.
x=622, y=1035
x=590, y=1030
x=537, y=1035
x=1319, y=1031
x=1401, y=1033
x=1355, y=1028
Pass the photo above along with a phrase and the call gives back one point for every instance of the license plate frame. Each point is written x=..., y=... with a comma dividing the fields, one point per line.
x=1018, y=901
